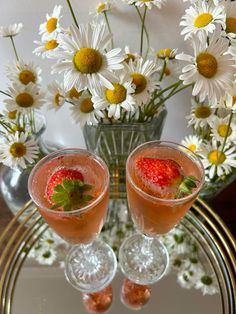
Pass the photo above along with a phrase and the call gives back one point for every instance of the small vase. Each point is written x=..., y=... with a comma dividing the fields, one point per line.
x=114, y=142
x=14, y=182
x=212, y=189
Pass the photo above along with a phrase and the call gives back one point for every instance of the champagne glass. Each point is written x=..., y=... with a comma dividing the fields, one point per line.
x=162, y=180
x=79, y=213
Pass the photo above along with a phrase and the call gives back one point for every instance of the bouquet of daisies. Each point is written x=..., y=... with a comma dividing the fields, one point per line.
x=18, y=147
x=210, y=26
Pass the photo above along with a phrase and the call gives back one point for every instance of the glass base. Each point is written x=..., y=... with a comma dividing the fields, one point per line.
x=90, y=268
x=143, y=260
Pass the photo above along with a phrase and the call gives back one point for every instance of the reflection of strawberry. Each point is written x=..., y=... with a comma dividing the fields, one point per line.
x=65, y=189
x=161, y=172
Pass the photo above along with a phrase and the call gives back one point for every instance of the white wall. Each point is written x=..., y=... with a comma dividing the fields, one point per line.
x=164, y=32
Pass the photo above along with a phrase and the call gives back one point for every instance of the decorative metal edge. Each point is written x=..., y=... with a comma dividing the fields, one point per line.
x=227, y=250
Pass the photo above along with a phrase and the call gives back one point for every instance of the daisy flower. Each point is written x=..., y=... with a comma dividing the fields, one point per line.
x=56, y=97
x=9, y=116
x=192, y=142
x=129, y=55
x=142, y=79
x=207, y=284
x=47, y=256
x=215, y=161
x=230, y=10
x=202, y=17
x=166, y=53
x=47, y=47
x=176, y=242
x=83, y=110
x=120, y=96
x=83, y=58
x=11, y=30
x=229, y=99
x=24, y=98
x=18, y=149
x=220, y=129
x=148, y=3
x=73, y=94
x=211, y=69
x=51, y=27
x=102, y=7
x=24, y=73
x=201, y=114
x=187, y=278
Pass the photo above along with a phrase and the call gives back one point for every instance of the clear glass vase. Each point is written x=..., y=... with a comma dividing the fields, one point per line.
x=13, y=182
x=212, y=189
x=114, y=142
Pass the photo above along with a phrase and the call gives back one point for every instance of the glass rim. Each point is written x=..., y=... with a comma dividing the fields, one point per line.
x=57, y=154
x=166, y=200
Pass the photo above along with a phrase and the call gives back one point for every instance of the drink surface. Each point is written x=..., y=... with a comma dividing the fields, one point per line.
x=154, y=207
x=77, y=226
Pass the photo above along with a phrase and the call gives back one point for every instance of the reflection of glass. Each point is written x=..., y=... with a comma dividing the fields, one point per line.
x=98, y=302
x=143, y=258
x=134, y=296
x=90, y=264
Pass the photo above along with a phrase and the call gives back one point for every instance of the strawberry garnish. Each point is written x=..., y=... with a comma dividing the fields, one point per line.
x=66, y=189
x=164, y=177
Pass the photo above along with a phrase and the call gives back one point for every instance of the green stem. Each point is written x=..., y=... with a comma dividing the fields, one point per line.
x=72, y=13
x=172, y=93
x=163, y=71
x=227, y=132
x=6, y=94
x=142, y=30
x=145, y=30
x=14, y=48
x=109, y=28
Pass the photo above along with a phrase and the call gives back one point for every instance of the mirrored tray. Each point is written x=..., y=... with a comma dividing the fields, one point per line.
x=29, y=287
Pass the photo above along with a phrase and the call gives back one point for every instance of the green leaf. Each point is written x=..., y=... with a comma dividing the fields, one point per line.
x=58, y=188
x=186, y=186
x=68, y=184
x=86, y=197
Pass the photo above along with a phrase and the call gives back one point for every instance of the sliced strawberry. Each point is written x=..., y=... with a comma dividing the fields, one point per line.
x=57, y=178
x=162, y=172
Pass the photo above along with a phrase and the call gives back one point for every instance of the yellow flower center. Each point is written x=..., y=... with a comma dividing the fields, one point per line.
x=165, y=53
x=203, y=20
x=26, y=77
x=51, y=44
x=206, y=64
x=202, y=112
x=86, y=105
x=12, y=114
x=116, y=95
x=51, y=24
x=73, y=93
x=216, y=157
x=223, y=130
x=101, y=7
x=234, y=99
x=192, y=147
x=88, y=60
x=24, y=100
x=140, y=82
x=57, y=99
x=18, y=150
x=129, y=56
x=231, y=25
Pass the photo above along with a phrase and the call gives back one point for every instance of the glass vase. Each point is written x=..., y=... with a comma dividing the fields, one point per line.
x=113, y=143
x=212, y=189
x=13, y=182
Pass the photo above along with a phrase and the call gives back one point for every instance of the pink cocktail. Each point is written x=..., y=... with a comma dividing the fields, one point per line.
x=162, y=180
x=71, y=190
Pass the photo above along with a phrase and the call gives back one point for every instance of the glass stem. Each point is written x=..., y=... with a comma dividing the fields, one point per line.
x=146, y=245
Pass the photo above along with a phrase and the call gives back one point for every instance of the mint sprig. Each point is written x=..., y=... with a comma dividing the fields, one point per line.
x=70, y=194
x=186, y=186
